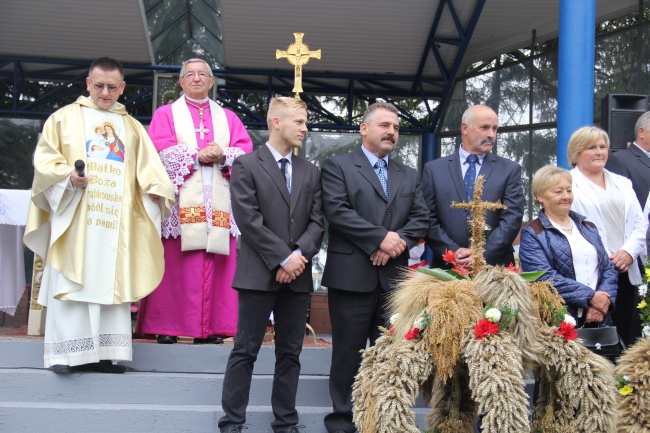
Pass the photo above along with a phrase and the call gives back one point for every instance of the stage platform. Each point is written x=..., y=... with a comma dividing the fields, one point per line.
x=167, y=389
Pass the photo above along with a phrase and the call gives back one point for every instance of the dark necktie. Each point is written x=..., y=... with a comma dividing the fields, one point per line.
x=380, y=167
x=470, y=176
x=283, y=169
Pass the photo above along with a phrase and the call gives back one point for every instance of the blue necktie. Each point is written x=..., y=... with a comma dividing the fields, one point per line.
x=470, y=176
x=283, y=169
x=380, y=166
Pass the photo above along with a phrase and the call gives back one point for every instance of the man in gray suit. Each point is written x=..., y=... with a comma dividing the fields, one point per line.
x=276, y=202
x=452, y=179
x=376, y=213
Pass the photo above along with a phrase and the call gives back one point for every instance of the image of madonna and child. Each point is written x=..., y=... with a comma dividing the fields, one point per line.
x=105, y=144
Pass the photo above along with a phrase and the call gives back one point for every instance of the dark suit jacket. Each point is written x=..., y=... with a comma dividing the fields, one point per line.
x=272, y=223
x=442, y=183
x=634, y=164
x=360, y=216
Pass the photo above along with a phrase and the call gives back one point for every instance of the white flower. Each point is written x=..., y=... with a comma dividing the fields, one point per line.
x=569, y=319
x=626, y=378
x=646, y=331
x=493, y=314
x=393, y=318
x=643, y=290
x=419, y=322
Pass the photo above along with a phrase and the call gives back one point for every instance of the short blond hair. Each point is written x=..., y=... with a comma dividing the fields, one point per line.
x=279, y=104
x=582, y=139
x=546, y=177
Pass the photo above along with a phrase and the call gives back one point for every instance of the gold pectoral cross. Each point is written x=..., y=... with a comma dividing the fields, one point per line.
x=297, y=54
x=201, y=129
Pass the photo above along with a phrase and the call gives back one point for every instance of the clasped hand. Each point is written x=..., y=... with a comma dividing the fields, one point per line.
x=621, y=260
x=212, y=153
x=391, y=247
x=598, y=307
x=292, y=269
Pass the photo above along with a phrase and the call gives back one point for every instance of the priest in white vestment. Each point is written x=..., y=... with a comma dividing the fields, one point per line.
x=98, y=231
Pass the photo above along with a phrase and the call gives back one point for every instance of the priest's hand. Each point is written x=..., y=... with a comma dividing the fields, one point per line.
x=212, y=153
x=78, y=181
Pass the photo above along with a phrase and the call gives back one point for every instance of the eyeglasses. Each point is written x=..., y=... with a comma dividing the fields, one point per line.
x=100, y=87
x=191, y=75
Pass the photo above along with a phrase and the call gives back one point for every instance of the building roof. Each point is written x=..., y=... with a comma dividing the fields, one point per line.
x=378, y=47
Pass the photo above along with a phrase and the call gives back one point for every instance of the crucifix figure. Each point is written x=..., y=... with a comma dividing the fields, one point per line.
x=297, y=54
x=478, y=209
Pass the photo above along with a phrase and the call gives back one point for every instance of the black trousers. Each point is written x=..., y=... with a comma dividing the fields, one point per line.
x=355, y=319
x=290, y=314
x=626, y=316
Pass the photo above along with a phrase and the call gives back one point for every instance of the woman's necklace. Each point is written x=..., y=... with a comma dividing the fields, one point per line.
x=567, y=227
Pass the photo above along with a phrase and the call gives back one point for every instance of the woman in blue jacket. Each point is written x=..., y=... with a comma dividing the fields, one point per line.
x=567, y=246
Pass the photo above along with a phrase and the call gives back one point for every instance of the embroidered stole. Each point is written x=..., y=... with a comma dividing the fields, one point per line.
x=194, y=232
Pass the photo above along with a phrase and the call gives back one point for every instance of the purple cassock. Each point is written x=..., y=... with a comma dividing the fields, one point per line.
x=195, y=297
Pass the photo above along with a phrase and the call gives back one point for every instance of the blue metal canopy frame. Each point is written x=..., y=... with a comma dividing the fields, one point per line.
x=70, y=76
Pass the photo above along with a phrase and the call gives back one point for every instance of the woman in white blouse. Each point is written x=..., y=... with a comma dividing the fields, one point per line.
x=608, y=200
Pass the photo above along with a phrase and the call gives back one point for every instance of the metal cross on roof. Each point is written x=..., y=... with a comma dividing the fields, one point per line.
x=297, y=54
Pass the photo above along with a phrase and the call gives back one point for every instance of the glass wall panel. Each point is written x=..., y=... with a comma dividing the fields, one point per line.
x=543, y=152
x=175, y=36
x=162, y=15
x=511, y=100
x=621, y=64
x=208, y=16
x=545, y=89
x=18, y=138
x=449, y=145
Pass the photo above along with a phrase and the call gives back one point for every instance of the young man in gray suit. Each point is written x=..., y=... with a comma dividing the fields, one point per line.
x=452, y=179
x=276, y=202
x=376, y=213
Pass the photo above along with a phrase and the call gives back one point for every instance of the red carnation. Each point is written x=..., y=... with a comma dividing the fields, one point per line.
x=485, y=327
x=461, y=270
x=449, y=257
x=567, y=330
x=513, y=268
x=412, y=334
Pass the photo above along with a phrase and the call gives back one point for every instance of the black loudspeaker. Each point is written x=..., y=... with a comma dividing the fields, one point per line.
x=619, y=114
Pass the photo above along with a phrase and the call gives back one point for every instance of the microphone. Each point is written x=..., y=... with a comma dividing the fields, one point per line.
x=80, y=166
